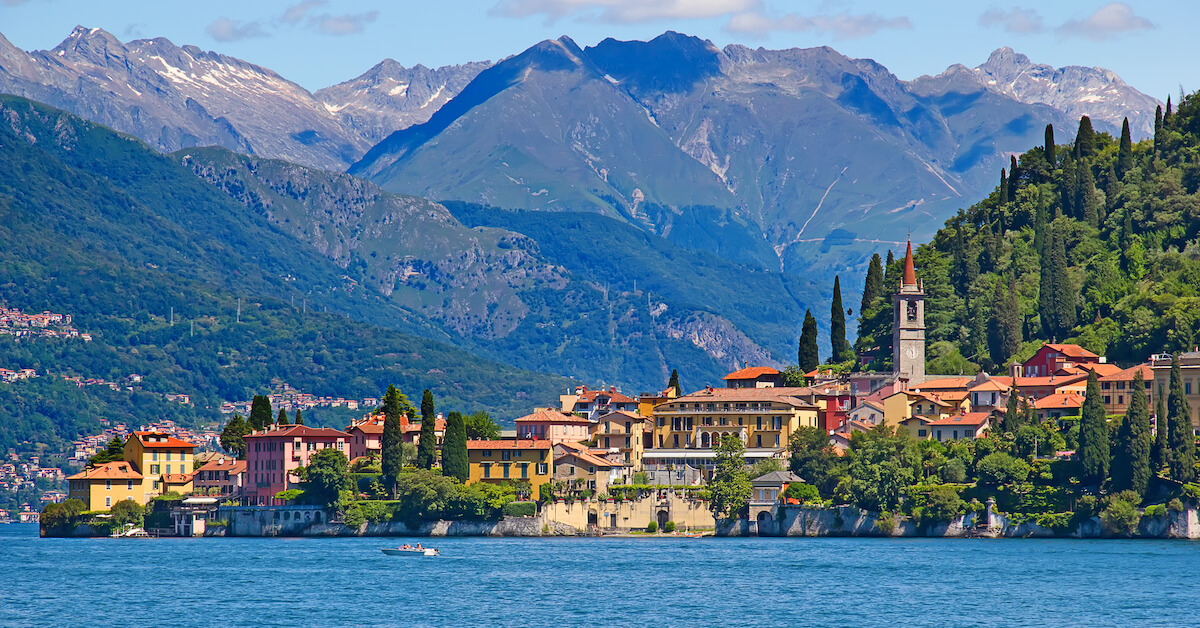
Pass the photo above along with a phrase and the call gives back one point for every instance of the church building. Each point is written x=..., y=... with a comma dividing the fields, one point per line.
x=908, y=327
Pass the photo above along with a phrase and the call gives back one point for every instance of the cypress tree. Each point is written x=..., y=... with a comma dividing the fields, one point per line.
x=1030, y=412
x=1046, y=288
x=1160, y=453
x=282, y=419
x=299, y=419
x=1180, y=438
x=1003, y=186
x=1167, y=113
x=1011, y=321
x=1012, y=416
x=393, y=437
x=1125, y=151
x=890, y=281
x=1050, y=148
x=808, y=358
x=1087, y=201
x=260, y=413
x=1131, y=462
x=837, y=325
x=996, y=329
x=873, y=286
x=1014, y=175
x=1085, y=139
x=673, y=383
x=427, y=445
x=1158, y=127
x=1064, y=316
x=454, y=448
x=1093, y=435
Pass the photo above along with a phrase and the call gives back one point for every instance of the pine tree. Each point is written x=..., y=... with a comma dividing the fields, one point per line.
x=1050, y=148
x=673, y=383
x=1181, y=440
x=808, y=358
x=1158, y=127
x=1093, y=435
x=837, y=326
x=1131, y=461
x=282, y=419
x=427, y=445
x=1160, y=453
x=233, y=436
x=1085, y=139
x=299, y=419
x=260, y=413
x=873, y=286
x=393, y=437
x=1125, y=151
x=454, y=448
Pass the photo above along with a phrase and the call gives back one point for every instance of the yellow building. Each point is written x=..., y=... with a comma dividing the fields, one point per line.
x=156, y=455
x=103, y=485
x=624, y=431
x=500, y=461
x=903, y=405
x=764, y=418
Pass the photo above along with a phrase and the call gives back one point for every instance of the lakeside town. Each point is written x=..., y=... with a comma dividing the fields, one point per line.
x=1063, y=443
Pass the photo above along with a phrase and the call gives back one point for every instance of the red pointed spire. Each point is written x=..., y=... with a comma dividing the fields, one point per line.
x=910, y=272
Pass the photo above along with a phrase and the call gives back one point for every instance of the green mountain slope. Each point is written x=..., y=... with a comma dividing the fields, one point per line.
x=98, y=225
x=1100, y=245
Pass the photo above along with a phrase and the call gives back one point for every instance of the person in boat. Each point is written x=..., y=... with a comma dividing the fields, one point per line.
x=406, y=546
x=419, y=546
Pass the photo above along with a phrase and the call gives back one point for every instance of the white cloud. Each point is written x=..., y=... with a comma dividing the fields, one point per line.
x=1018, y=20
x=623, y=11
x=841, y=26
x=343, y=24
x=295, y=13
x=225, y=29
x=1110, y=20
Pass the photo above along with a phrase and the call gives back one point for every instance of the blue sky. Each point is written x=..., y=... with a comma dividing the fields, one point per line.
x=321, y=42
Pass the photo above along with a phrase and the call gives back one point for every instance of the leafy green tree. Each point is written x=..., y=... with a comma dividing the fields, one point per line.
x=454, y=448
x=233, y=436
x=326, y=476
x=260, y=413
x=1131, y=461
x=480, y=426
x=1120, y=517
x=882, y=463
x=60, y=515
x=127, y=512
x=1160, y=453
x=837, y=325
x=427, y=444
x=1000, y=468
x=282, y=419
x=873, y=287
x=809, y=359
x=730, y=485
x=1182, y=457
x=394, y=406
x=1094, y=456
x=299, y=419
x=942, y=504
x=673, y=383
x=112, y=452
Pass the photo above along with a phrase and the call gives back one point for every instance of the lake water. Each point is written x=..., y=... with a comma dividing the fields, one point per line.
x=590, y=581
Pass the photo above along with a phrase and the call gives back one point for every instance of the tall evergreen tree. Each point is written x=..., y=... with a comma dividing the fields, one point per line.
x=890, y=280
x=1012, y=413
x=1160, y=453
x=1014, y=178
x=1089, y=205
x=260, y=413
x=1131, y=461
x=454, y=448
x=873, y=286
x=233, y=436
x=299, y=419
x=1003, y=186
x=1046, y=287
x=427, y=445
x=996, y=328
x=1158, y=127
x=1125, y=151
x=1182, y=442
x=393, y=437
x=837, y=326
x=1167, y=113
x=1011, y=321
x=673, y=383
x=282, y=419
x=1051, y=157
x=1093, y=435
x=1085, y=139
x=808, y=358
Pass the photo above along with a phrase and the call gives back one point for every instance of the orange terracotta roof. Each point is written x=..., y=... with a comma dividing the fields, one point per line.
x=508, y=444
x=550, y=415
x=990, y=385
x=439, y=425
x=632, y=416
x=161, y=440
x=969, y=418
x=226, y=464
x=298, y=431
x=946, y=383
x=753, y=372
x=1127, y=374
x=614, y=397
x=779, y=393
x=370, y=427
x=589, y=458
x=1059, y=380
x=1072, y=351
x=119, y=470
x=176, y=478
x=1060, y=400
x=1101, y=369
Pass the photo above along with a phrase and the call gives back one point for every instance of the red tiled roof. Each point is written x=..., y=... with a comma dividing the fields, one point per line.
x=1060, y=400
x=550, y=415
x=176, y=478
x=632, y=416
x=969, y=418
x=119, y=470
x=753, y=372
x=1072, y=351
x=299, y=431
x=439, y=425
x=589, y=458
x=1127, y=374
x=368, y=427
x=226, y=464
x=1102, y=368
x=161, y=441
x=508, y=444
x=946, y=383
x=990, y=385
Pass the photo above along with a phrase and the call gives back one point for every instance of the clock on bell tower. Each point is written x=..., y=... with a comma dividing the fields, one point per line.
x=908, y=326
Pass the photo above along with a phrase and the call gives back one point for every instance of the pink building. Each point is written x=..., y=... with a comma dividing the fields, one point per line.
x=554, y=426
x=366, y=435
x=271, y=456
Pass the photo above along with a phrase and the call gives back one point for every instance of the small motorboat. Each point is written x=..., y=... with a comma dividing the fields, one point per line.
x=411, y=551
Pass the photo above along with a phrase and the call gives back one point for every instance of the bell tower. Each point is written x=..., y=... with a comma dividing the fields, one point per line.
x=908, y=326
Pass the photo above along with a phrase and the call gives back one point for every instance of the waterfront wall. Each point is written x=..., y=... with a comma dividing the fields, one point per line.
x=624, y=516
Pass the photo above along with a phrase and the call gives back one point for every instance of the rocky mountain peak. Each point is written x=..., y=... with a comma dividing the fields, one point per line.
x=92, y=45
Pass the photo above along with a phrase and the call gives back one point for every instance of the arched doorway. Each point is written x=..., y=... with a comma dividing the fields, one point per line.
x=766, y=527
x=663, y=518
x=704, y=439
x=593, y=518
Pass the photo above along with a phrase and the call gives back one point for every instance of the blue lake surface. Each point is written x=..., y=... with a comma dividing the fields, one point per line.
x=590, y=581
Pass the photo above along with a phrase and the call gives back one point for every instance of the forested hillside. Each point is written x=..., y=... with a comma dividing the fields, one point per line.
x=1093, y=242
